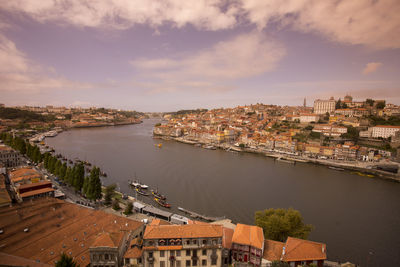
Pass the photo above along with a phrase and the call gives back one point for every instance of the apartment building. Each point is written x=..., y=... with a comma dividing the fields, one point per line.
x=384, y=131
x=186, y=245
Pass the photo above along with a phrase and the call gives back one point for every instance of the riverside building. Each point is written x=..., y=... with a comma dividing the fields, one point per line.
x=186, y=245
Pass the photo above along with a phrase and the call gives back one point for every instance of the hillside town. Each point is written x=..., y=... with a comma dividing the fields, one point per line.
x=344, y=132
x=35, y=118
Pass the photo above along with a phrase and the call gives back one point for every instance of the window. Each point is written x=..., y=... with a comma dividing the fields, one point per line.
x=187, y=242
x=106, y=256
x=214, y=241
x=214, y=261
x=127, y=261
x=178, y=253
x=172, y=252
x=162, y=263
x=162, y=253
x=204, y=241
x=204, y=262
x=178, y=263
x=151, y=254
x=204, y=252
x=187, y=252
x=187, y=263
x=194, y=262
x=195, y=242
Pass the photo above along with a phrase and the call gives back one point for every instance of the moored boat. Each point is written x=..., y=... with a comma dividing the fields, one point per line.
x=162, y=203
x=156, y=194
x=141, y=192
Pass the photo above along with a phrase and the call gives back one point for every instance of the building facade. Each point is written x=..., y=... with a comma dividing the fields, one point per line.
x=384, y=131
x=185, y=245
x=324, y=106
x=9, y=157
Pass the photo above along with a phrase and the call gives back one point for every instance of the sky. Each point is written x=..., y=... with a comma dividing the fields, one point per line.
x=167, y=55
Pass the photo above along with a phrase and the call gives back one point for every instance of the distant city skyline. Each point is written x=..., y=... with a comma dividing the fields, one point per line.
x=157, y=56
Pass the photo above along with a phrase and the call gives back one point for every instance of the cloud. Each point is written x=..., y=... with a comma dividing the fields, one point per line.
x=19, y=73
x=371, y=67
x=122, y=14
x=363, y=22
x=243, y=56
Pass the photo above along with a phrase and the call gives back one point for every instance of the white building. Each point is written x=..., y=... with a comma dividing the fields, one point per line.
x=304, y=118
x=384, y=131
x=324, y=106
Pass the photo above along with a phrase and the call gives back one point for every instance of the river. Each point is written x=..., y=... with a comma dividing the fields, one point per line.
x=357, y=217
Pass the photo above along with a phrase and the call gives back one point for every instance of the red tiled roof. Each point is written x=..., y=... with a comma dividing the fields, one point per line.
x=248, y=235
x=273, y=250
x=36, y=192
x=133, y=253
x=24, y=186
x=182, y=231
x=103, y=240
x=303, y=250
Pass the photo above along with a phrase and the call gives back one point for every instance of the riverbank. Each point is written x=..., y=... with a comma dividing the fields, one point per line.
x=360, y=168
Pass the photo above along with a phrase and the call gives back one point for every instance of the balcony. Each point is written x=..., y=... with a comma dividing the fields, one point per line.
x=150, y=259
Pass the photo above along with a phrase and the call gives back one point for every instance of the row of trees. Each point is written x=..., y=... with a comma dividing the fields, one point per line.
x=74, y=175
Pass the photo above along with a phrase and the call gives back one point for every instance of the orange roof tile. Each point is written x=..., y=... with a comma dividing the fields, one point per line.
x=273, y=250
x=227, y=237
x=133, y=253
x=248, y=235
x=302, y=250
x=103, y=240
x=36, y=192
x=159, y=222
x=182, y=231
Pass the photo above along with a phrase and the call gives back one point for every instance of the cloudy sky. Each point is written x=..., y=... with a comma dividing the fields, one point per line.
x=166, y=55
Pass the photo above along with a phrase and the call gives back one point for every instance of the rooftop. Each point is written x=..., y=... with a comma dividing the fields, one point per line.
x=248, y=235
x=182, y=231
x=56, y=226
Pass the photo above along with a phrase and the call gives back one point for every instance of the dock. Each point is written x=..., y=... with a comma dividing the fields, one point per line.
x=199, y=216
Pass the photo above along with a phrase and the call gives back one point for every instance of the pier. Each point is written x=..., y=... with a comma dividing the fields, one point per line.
x=199, y=216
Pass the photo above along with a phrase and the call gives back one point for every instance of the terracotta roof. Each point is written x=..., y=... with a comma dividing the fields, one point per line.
x=302, y=250
x=103, y=240
x=11, y=260
x=159, y=222
x=133, y=253
x=56, y=226
x=248, y=235
x=36, y=192
x=387, y=126
x=273, y=250
x=182, y=231
x=24, y=186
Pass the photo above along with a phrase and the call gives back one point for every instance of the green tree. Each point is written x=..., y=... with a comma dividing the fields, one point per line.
x=66, y=261
x=115, y=205
x=279, y=224
x=79, y=176
x=128, y=208
x=369, y=102
x=381, y=105
x=352, y=133
x=109, y=192
x=338, y=104
x=94, y=186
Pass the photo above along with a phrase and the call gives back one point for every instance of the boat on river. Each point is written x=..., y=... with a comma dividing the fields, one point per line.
x=162, y=203
x=156, y=194
x=141, y=192
x=137, y=184
x=336, y=168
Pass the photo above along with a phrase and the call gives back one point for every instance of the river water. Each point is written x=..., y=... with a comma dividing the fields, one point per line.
x=357, y=217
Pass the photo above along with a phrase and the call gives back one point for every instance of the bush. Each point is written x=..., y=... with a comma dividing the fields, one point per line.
x=115, y=205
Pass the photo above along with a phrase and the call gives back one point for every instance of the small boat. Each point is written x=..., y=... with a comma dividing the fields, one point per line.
x=210, y=147
x=156, y=194
x=162, y=203
x=336, y=168
x=134, y=183
x=143, y=186
x=141, y=192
